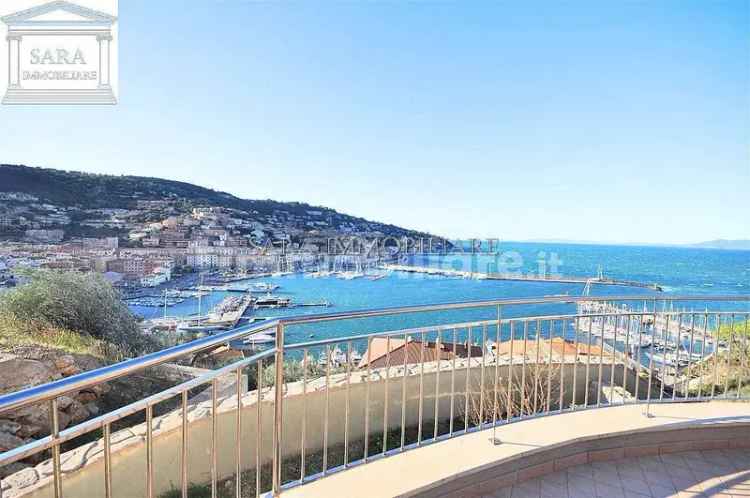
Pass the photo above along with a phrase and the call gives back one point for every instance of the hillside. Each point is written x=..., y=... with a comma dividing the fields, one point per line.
x=90, y=205
x=736, y=245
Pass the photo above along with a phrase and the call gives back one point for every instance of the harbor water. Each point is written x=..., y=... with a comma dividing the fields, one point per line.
x=680, y=271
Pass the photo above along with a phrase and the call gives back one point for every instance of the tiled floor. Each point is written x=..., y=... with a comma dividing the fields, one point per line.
x=724, y=473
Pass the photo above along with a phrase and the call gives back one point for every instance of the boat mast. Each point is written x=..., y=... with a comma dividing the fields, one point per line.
x=199, y=296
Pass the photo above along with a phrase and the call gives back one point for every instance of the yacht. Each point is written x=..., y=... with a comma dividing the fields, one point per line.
x=271, y=301
x=198, y=327
x=263, y=287
x=351, y=275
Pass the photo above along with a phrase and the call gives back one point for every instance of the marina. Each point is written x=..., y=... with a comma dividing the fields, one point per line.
x=228, y=313
x=313, y=291
x=650, y=338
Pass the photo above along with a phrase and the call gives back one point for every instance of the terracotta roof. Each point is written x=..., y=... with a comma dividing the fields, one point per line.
x=412, y=348
x=379, y=356
x=559, y=347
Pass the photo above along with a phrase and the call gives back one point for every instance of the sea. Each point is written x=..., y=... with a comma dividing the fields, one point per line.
x=678, y=271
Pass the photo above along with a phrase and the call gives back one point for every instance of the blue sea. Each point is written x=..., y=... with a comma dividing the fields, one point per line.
x=680, y=271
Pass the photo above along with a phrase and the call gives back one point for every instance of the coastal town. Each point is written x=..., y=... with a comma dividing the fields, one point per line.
x=142, y=233
x=374, y=249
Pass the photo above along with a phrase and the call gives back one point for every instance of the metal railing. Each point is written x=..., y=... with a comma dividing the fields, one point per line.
x=414, y=386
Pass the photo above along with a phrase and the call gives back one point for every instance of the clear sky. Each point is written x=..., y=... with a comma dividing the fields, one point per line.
x=612, y=121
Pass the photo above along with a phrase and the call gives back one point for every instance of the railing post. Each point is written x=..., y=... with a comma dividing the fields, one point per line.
x=651, y=363
x=495, y=406
x=278, y=409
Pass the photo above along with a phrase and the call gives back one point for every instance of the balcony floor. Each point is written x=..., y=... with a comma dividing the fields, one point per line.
x=418, y=471
x=724, y=473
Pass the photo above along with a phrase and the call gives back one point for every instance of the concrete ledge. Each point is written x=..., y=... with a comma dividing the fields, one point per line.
x=471, y=465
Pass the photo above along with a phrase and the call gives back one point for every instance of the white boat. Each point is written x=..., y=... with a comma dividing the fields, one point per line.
x=669, y=359
x=187, y=327
x=355, y=356
x=645, y=340
x=281, y=273
x=253, y=342
x=271, y=301
x=260, y=339
x=263, y=287
x=336, y=357
x=351, y=275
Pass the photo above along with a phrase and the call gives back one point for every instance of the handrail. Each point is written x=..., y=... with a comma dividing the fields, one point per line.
x=296, y=320
x=29, y=449
x=83, y=380
x=615, y=320
x=44, y=392
x=478, y=323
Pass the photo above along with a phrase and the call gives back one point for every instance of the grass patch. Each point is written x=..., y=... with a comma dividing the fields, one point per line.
x=16, y=332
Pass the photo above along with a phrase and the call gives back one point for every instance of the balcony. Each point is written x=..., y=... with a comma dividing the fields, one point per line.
x=460, y=399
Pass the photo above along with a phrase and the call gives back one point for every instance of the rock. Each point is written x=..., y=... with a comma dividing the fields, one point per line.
x=98, y=389
x=92, y=408
x=66, y=365
x=77, y=412
x=11, y=468
x=63, y=420
x=9, y=426
x=17, y=374
x=34, y=416
x=86, y=397
x=63, y=402
x=9, y=441
x=30, y=430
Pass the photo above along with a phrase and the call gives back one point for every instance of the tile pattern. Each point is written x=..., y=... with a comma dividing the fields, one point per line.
x=721, y=473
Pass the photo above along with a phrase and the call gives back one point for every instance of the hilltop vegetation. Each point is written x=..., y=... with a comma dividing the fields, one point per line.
x=55, y=199
x=72, y=311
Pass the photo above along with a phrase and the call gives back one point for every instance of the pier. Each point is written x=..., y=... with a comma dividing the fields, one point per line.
x=599, y=280
x=229, y=312
x=662, y=325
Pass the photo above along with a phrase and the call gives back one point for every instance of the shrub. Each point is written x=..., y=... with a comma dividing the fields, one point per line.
x=81, y=302
x=740, y=330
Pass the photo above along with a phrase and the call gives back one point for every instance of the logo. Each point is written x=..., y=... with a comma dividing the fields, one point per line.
x=59, y=52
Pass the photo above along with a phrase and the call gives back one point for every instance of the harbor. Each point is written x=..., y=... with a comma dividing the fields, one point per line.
x=239, y=302
x=284, y=293
x=651, y=340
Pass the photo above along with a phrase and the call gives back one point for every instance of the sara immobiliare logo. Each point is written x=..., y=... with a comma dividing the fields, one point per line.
x=59, y=52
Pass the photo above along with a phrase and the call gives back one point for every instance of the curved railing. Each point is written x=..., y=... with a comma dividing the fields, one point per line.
x=413, y=386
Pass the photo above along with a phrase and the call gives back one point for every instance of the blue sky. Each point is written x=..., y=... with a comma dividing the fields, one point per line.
x=610, y=121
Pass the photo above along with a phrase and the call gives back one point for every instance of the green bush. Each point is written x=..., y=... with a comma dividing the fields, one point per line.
x=81, y=302
x=740, y=331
